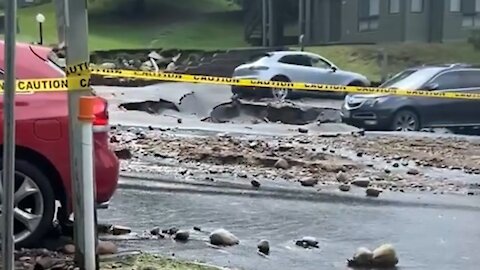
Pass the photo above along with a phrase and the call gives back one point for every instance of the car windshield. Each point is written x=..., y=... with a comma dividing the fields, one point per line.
x=411, y=78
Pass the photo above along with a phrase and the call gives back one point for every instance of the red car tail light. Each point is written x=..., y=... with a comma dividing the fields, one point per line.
x=101, y=112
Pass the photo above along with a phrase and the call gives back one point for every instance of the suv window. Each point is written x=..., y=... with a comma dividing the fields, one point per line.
x=470, y=79
x=319, y=63
x=448, y=80
x=298, y=60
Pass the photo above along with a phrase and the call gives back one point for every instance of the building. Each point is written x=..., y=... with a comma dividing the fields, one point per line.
x=374, y=21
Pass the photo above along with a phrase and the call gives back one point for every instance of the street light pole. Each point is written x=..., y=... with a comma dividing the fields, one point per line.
x=40, y=18
x=8, y=172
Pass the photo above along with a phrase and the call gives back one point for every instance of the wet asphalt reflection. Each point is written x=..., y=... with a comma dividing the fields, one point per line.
x=435, y=232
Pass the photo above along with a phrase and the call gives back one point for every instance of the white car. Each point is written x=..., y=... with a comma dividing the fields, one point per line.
x=293, y=66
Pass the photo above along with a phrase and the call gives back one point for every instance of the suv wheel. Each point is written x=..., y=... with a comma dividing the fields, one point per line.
x=405, y=120
x=34, y=204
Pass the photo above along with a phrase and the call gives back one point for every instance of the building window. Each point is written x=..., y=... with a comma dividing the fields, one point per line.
x=368, y=13
x=394, y=6
x=416, y=6
x=471, y=13
x=471, y=21
x=455, y=5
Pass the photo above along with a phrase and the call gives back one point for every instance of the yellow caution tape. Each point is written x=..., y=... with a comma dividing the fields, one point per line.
x=78, y=78
x=174, y=77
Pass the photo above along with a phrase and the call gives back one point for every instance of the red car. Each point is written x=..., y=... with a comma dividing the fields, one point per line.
x=42, y=166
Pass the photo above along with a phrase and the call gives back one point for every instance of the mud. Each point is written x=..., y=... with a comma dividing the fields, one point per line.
x=322, y=158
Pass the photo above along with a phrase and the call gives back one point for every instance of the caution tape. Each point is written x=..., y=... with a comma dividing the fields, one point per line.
x=256, y=84
x=78, y=78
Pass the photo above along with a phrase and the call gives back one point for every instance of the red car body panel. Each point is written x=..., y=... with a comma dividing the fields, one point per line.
x=42, y=124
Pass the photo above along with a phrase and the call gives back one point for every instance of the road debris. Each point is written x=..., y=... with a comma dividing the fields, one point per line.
x=264, y=247
x=222, y=237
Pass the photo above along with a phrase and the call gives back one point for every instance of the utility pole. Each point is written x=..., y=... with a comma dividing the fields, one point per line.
x=8, y=172
x=76, y=41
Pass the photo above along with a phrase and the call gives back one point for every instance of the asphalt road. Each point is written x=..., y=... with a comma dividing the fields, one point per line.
x=429, y=232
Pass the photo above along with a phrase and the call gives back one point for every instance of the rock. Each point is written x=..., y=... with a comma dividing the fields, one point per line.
x=282, y=164
x=361, y=258
x=344, y=187
x=68, y=249
x=396, y=165
x=155, y=231
x=171, y=231
x=387, y=171
x=370, y=165
x=361, y=182
x=255, y=184
x=359, y=154
x=196, y=228
x=302, y=130
x=285, y=147
x=373, y=192
x=405, y=163
x=384, y=256
x=123, y=154
x=44, y=263
x=309, y=182
x=413, y=171
x=342, y=177
x=106, y=247
x=114, y=139
x=264, y=247
x=108, y=65
x=307, y=242
x=120, y=230
x=179, y=120
x=182, y=236
x=104, y=228
x=242, y=175
x=222, y=237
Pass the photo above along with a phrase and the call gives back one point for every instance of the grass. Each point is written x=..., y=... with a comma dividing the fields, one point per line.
x=165, y=24
x=363, y=58
x=146, y=261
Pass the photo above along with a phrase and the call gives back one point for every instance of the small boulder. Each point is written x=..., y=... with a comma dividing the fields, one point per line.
x=155, y=231
x=309, y=182
x=384, y=257
x=123, y=154
x=222, y=237
x=413, y=171
x=179, y=120
x=373, y=192
x=342, y=177
x=303, y=130
x=171, y=231
x=307, y=242
x=359, y=154
x=68, y=249
x=282, y=164
x=120, y=230
x=361, y=258
x=344, y=187
x=255, y=183
x=182, y=236
x=196, y=228
x=106, y=248
x=264, y=247
x=396, y=165
x=387, y=171
x=361, y=182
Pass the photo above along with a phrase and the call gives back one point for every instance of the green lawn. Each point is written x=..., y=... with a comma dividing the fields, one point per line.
x=363, y=58
x=165, y=24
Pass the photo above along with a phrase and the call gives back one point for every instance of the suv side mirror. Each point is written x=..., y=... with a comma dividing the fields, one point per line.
x=334, y=68
x=432, y=86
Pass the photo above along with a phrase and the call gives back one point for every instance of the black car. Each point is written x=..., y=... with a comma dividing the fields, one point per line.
x=398, y=113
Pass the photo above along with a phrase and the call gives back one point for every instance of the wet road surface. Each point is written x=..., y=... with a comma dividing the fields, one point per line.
x=429, y=232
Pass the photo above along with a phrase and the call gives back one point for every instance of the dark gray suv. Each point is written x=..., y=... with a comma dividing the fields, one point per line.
x=397, y=113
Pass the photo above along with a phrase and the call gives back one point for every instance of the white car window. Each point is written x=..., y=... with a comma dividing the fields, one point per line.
x=319, y=63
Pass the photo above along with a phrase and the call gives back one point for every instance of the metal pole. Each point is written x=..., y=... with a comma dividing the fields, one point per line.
x=271, y=24
x=76, y=40
x=8, y=175
x=40, y=26
x=264, y=23
x=308, y=21
x=86, y=117
x=301, y=18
